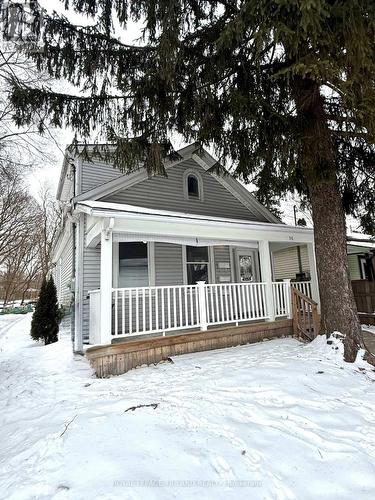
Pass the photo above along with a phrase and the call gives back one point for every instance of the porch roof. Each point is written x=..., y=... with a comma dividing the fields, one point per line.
x=154, y=224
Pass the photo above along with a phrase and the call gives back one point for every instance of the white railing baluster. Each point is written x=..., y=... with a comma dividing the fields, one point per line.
x=174, y=308
x=162, y=310
x=197, y=306
x=116, y=313
x=241, y=303
x=230, y=302
x=150, y=309
x=123, y=331
x=250, y=300
x=169, y=307
x=180, y=304
x=186, y=307
x=256, y=311
x=157, y=308
x=226, y=303
x=217, y=319
x=130, y=311
x=212, y=312
x=246, y=301
x=235, y=299
x=191, y=306
x=144, y=310
x=264, y=312
x=136, y=311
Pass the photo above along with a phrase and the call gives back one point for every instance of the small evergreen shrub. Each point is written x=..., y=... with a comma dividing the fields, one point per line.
x=46, y=317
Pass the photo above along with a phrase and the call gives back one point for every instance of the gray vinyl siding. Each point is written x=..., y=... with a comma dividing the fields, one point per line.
x=62, y=273
x=66, y=272
x=168, y=264
x=285, y=262
x=167, y=193
x=91, y=281
x=97, y=173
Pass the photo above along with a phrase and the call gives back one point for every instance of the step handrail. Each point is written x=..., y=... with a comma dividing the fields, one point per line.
x=306, y=320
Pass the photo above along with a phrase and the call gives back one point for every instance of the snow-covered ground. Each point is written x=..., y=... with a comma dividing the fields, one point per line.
x=277, y=420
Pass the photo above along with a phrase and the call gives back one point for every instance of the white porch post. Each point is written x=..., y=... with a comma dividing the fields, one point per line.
x=106, y=286
x=314, y=276
x=78, y=285
x=288, y=296
x=266, y=271
x=202, y=305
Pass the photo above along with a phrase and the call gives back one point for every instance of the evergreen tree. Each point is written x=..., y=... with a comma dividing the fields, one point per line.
x=283, y=88
x=45, y=322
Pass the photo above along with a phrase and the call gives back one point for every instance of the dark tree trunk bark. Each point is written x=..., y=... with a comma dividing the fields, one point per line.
x=338, y=307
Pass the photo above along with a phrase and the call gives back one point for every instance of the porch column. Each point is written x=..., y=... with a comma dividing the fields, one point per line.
x=106, y=287
x=266, y=272
x=313, y=274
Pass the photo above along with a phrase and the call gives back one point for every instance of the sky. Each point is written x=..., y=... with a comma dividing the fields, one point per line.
x=49, y=173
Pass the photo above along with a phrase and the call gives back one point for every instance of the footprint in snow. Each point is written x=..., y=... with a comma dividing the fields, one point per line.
x=222, y=467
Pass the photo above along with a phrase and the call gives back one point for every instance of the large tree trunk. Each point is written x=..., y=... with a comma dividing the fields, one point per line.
x=338, y=307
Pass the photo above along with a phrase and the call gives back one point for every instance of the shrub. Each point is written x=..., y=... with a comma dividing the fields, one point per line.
x=46, y=317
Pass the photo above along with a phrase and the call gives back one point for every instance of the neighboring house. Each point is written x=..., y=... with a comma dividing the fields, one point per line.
x=133, y=248
x=293, y=263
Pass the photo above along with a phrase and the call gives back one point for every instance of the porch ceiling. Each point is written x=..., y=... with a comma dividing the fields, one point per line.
x=131, y=222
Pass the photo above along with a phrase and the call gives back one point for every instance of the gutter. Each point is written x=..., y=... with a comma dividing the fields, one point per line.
x=186, y=218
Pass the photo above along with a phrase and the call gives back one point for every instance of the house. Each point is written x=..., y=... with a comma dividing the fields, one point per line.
x=293, y=263
x=361, y=256
x=140, y=256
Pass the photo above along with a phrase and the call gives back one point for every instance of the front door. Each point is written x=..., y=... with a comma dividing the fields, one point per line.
x=247, y=265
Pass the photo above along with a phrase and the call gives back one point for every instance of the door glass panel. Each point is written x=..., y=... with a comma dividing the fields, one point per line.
x=246, y=265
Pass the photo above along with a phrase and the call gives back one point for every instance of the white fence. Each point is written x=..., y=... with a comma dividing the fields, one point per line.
x=148, y=310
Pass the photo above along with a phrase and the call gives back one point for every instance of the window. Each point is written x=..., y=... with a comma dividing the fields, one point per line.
x=193, y=189
x=193, y=186
x=197, y=264
x=133, y=265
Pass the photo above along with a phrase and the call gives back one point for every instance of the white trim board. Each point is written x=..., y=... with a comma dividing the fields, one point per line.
x=121, y=210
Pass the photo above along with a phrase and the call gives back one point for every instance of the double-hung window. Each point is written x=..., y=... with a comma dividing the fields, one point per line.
x=197, y=263
x=133, y=265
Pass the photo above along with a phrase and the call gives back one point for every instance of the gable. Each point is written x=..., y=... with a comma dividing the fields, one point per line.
x=95, y=173
x=167, y=193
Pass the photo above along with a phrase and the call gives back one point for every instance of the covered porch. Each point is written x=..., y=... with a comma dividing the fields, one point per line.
x=163, y=273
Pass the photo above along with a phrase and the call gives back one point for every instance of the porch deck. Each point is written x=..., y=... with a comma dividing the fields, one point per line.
x=126, y=353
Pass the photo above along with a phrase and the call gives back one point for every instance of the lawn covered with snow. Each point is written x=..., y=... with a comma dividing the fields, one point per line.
x=277, y=420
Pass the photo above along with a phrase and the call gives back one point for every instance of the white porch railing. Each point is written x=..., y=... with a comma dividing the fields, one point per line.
x=148, y=310
x=234, y=303
x=303, y=287
x=282, y=295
